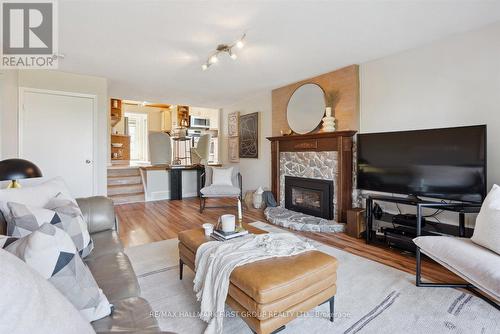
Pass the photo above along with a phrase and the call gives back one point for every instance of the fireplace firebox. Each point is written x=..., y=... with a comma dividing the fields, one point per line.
x=310, y=196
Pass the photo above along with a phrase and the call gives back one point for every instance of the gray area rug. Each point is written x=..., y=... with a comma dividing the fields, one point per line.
x=371, y=298
x=299, y=221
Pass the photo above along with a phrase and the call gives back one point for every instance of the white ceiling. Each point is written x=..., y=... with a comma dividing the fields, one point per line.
x=153, y=50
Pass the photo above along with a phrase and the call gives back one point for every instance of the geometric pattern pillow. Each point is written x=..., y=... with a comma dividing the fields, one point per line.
x=73, y=222
x=5, y=240
x=61, y=213
x=33, y=195
x=51, y=252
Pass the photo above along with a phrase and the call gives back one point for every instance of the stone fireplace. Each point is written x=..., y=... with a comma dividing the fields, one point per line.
x=310, y=196
x=321, y=158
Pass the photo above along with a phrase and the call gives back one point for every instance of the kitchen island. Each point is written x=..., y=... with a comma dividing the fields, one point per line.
x=172, y=182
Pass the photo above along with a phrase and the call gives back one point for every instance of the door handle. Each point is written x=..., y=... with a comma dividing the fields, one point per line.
x=88, y=162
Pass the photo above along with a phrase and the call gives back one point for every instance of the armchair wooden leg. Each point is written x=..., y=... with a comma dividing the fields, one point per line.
x=202, y=204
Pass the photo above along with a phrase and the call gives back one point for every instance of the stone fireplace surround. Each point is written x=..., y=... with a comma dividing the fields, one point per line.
x=311, y=165
x=326, y=156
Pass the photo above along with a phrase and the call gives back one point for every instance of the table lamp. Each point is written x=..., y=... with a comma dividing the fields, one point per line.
x=16, y=169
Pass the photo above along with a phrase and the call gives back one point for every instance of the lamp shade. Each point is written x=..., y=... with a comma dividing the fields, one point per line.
x=16, y=169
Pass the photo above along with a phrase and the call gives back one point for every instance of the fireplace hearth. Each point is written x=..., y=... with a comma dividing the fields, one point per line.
x=310, y=196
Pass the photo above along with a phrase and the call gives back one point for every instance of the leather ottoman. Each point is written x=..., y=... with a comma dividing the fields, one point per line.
x=270, y=293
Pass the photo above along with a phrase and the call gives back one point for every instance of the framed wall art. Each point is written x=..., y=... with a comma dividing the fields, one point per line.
x=232, y=124
x=233, y=149
x=249, y=135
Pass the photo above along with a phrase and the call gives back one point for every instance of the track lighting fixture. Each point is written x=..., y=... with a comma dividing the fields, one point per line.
x=224, y=48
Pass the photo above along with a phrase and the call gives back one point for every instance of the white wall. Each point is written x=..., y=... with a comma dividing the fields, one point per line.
x=61, y=81
x=8, y=109
x=255, y=172
x=452, y=82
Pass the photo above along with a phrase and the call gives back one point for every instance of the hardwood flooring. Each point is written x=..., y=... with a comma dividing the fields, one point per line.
x=142, y=223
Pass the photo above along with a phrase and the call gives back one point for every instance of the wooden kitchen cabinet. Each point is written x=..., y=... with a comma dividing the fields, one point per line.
x=123, y=152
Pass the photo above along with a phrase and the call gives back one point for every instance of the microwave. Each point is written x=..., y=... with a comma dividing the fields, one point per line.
x=199, y=122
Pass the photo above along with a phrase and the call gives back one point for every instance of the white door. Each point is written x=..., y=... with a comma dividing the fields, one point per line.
x=56, y=131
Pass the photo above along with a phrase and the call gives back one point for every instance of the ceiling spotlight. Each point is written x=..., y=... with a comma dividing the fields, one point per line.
x=213, y=59
x=223, y=48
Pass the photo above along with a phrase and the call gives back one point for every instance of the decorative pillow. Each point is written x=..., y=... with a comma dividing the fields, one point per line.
x=5, y=240
x=60, y=212
x=73, y=222
x=51, y=252
x=36, y=195
x=222, y=176
x=487, y=229
x=30, y=304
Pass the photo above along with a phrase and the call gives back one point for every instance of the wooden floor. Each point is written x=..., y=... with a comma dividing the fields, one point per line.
x=142, y=223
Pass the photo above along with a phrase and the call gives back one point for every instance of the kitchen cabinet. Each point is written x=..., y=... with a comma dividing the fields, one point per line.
x=166, y=120
x=212, y=114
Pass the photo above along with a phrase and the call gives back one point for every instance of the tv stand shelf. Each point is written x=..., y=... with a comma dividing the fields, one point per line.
x=430, y=227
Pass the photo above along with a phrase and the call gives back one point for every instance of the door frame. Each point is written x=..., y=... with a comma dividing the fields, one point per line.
x=93, y=97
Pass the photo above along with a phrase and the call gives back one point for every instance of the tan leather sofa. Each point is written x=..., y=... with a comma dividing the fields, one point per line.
x=270, y=293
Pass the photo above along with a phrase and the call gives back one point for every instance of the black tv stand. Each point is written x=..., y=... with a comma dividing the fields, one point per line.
x=407, y=219
x=430, y=227
x=413, y=198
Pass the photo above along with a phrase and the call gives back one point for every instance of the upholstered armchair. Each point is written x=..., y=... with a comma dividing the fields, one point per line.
x=220, y=187
x=200, y=153
x=160, y=148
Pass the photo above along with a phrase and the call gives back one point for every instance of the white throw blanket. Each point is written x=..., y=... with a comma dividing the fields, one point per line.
x=215, y=260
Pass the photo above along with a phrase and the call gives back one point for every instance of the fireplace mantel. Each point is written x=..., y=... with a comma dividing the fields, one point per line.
x=339, y=141
x=316, y=135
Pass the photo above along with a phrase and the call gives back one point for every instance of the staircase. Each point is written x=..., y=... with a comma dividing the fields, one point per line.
x=125, y=185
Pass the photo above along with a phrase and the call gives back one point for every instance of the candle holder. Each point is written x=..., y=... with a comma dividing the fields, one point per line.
x=240, y=215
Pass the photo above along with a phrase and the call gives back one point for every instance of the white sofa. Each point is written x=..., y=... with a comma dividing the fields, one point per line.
x=475, y=264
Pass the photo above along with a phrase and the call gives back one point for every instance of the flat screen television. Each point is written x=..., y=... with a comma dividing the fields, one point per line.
x=448, y=163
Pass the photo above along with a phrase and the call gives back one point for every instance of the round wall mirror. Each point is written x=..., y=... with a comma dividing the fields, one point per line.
x=306, y=108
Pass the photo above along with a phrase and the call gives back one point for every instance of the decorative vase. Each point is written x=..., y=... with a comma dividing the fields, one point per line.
x=328, y=121
x=257, y=198
x=328, y=112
